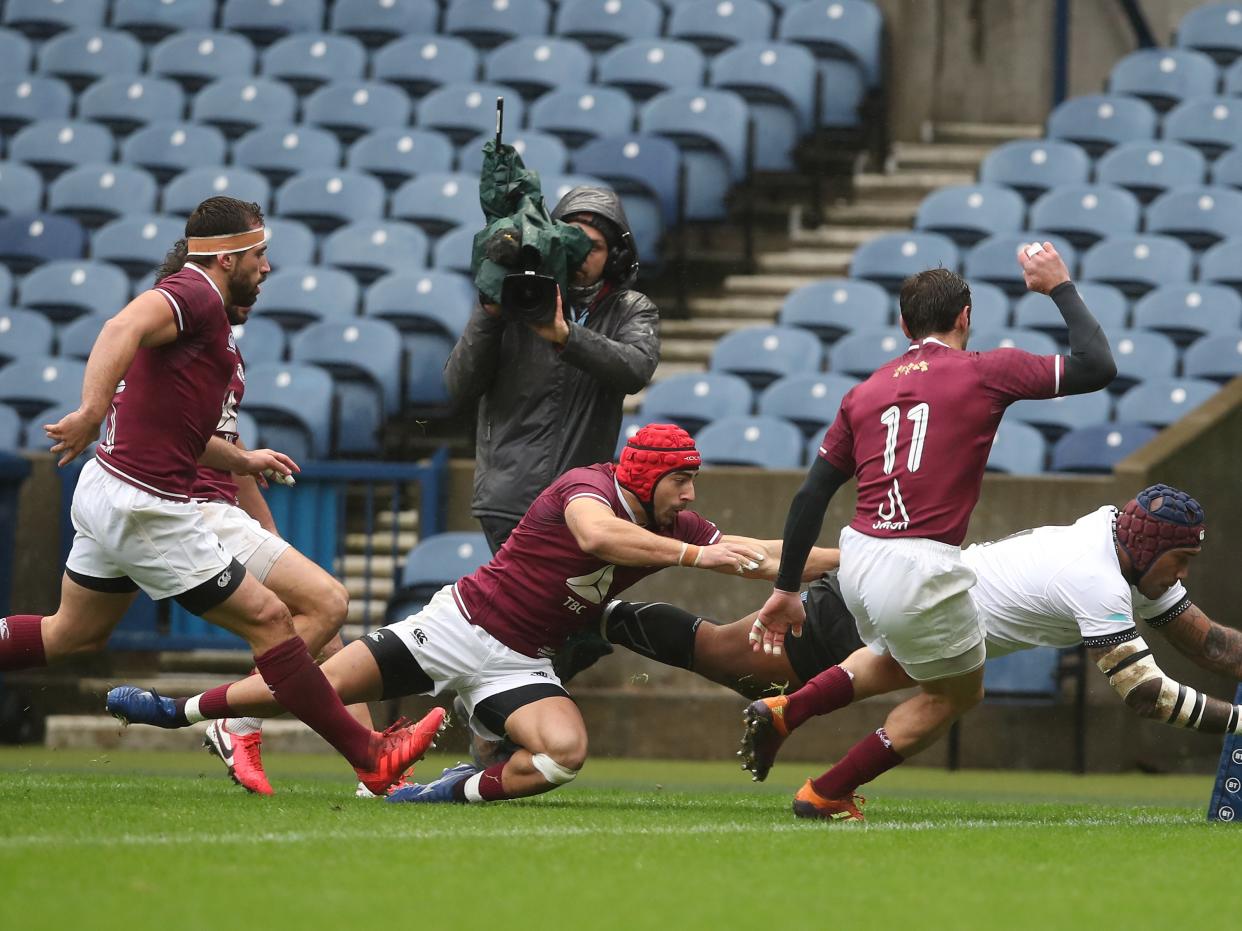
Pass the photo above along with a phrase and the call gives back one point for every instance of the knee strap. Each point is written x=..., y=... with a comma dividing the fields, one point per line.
x=551, y=770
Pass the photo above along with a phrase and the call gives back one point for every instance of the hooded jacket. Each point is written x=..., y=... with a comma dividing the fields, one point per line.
x=544, y=410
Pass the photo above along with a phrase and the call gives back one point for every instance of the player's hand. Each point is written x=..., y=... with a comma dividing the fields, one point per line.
x=732, y=556
x=556, y=330
x=72, y=434
x=782, y=613
x=1044, y=270
x=261, y=462
x=492, y=310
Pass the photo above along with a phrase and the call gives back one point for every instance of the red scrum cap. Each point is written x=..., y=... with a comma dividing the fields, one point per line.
x=652, y=453
x=1160, y=518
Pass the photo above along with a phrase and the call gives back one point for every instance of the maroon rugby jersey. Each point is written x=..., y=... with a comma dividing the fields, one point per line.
x=216, y=484
x=917, y=434
x=168, y=405
x=540, y=587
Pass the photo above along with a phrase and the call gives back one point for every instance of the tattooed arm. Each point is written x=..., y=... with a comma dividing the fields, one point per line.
x=1196, y=636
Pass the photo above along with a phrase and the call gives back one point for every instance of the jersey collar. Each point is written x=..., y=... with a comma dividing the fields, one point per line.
x=209, y=281
x=928, y=339
x=625, y=504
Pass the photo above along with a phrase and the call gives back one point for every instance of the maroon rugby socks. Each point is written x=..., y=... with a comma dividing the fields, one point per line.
x=21, y=642
x=831, y=689
x=868, y=758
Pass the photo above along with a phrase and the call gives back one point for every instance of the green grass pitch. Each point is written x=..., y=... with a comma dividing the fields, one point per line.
x=132, y=840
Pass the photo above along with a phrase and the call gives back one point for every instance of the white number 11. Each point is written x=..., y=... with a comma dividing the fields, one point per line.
x=891, y=419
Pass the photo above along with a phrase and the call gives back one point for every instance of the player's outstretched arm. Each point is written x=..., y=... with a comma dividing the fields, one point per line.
x=221, y=454
x=819, y=560
x=1196, y=636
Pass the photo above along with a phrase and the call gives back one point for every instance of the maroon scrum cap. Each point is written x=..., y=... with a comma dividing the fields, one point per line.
x=652, y=453
x=1160, y=518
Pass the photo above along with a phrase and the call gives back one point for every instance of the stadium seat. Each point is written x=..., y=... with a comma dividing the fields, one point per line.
x=63, y=290
x=153, y=20
x=440, y=201
x=247, y=430
x=1098, y=448
x=807, y=400
x=863, y=351
x=33, y=383
x=453, y=250
x=1018, y=449
x=10, y=430
x=694, y=399
x=534, y=65
x=1097, y=122
x=21, y=189
x=81, y=56
x=39, y=19
x=376, y=22
x=1222, y=264
x=1161, y=401
x=371, y=248
x=292, y=404
x=1216, y=356
x=396, y=154
x=890, y=259
x=51, y=146
x=1210, y=124
x=1199, y=216
x=1148, y=168
x=968, y=213
x=425, y=356
x=645, y=67
x=364, y=359
x=762, y=354
x=1041, y=344
x=239, y=104
x=351, y=109
x=136, y=243
x=297, y=296
x=464, y=110
x=195, y=58
x=556, y=187
x=1213, y=28
x=308, y=60
x=1232, y=79
x=1164, y=76
x=636, y=166
x=265, y=21
x=777, y=81
x=1140, y=354
x=125, y=103
x=16, y=54
x=630, y=424
x=1136, y=264
x=190, y=188
x=715, y=25
x=167, y=149
x=540, y=151
x=26, y=99
x=441, y=560
x=581, y=113
x=1038, y=312
x=29, y=240
x=835, y=306
x=1033, y=166
x=422, y=301
x=1055, y=416
x=325, y=199
x=24, y=333
x=761, y=442
x=849, y=30
x=260, y=340
x=1226, y=171
x=95, y=194
x=1086, y=213
x=1185, y=312
x=420, y=63
x=278, y=152
x=77, y=339
x=602, y=24
x=989, y=306
x=486, y=24
x=291, y=243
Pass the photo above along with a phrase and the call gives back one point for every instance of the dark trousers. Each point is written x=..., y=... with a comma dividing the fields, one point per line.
x=497, y=530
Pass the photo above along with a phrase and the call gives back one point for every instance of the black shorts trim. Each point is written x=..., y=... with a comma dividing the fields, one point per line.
x=493, y=711
x=400, y=674
x=117, y=585
x=829, y=634
x=215, y=591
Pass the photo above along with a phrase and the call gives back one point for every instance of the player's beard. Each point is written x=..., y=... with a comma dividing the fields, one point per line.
x=237, y=315
x=243, y=294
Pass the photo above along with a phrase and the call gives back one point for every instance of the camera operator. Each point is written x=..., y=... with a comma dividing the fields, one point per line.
x=550, y=395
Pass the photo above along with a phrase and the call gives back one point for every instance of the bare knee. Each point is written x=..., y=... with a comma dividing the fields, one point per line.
x=63, y=638
x=568, y=750
x=326, y=608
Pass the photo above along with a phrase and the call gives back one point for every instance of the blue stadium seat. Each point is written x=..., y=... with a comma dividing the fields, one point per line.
x=10, y=429
x=420, y=63
x=265, y=21
x=153, y=20
x=1055, y=416
x=464, y=110
x=1140, y=354
x=1226, y=171
x=1161, y=401
x=26, y=99
x=715, y=25
x=536, y=64
x=1187, y=311
x=968, y=213
x=849, y=30
x=1098, y=448
x=190, y=188
x=1213, y=28
x=437, y=302
x=297, y=296
x=167, y=149
x=80, y=56
x=1136, y=264
x=982, y=340
x=21, y=188
x=630, y=424
x=95, y=194
x=24, y=333
x=1232, y=80
x=292, y=404
x=29, y=240
x=351, y=109
x=807, y=400
x=710, y=128
x=453, y=250
x=835, y=306
x=66, y=289
x=35, y=437
x=989, y=306
x=1017, y=449
x=425, y=355
x=247, y=430
x=645, y=67
x=1149, y=168
x=1199, y=216
x=1210, y=124
x=762, y=354
x=1164, y=76
x=863, y=351
x=33, y=383
x=1039, y=312
x=1097, y=122
x=583, y=112
x=291, y=243
x=39, y=19
x=890, y=259
x=136, y=243
x=1086, y=213
x=125, y=103
x=637, y=167
x=556, y=187
x=1215, y=356
x=396, y=154
x=693, y=399
x=51, y=146
x=602, y=24
x=486, y=24
x=376, y=22
x=1222, y=264
x=278, y=152
x=777, y=81
x=260, y=340
x=540, y=151
x=441, y=560
x=364, y=359
x=328, y=198
x=440, y=201
x=16, y=54
x=308, y=60
x=77, y=339
x=371, y=248
x=762, y=442
x=197, y=57
x=239, y=104
x=1033, y=166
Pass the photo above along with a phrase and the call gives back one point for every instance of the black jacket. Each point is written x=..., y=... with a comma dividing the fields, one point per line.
x=544, y=411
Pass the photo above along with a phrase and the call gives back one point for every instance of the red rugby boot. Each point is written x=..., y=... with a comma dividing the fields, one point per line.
x=398, y=748
x=241, y=753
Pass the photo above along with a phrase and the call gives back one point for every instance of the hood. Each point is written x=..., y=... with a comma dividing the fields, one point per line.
x=598, y=200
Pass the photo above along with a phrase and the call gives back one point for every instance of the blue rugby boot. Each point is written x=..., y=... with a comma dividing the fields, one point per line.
x=439, y=790
x=132, y=705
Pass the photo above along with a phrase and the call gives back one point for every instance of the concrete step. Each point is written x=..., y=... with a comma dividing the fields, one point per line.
x=820, y=262
x=708, y=327
x=406, y=520
x=380, y=588
x=937, y=156
x=744, y=308
x=225, y=662
x=84, y=731
x=362, y=611
x=181, y=684
x=843, y=237
x=685, y=350
x=981, y=133
x=898, y=213
x=353, y=565
x=873, y=186
x=358, y=542
x=774, y=286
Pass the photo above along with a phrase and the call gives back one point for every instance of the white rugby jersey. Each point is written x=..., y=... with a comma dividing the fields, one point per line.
x=1056, y=586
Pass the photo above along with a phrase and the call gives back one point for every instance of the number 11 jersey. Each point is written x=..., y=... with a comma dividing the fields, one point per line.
x=917, y=434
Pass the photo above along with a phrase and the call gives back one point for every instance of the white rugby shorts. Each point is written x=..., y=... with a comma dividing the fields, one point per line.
x=243, y=537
